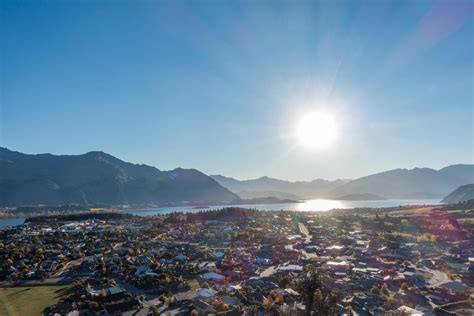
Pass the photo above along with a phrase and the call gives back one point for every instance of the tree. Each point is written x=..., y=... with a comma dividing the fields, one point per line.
x=284, y=281
x=318, y=298
x=155, y=310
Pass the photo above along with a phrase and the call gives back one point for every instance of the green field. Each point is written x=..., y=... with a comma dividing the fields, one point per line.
x=29, y=300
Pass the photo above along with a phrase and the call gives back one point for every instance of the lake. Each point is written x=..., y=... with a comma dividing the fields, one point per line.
x=310, y=205
x=4, y=222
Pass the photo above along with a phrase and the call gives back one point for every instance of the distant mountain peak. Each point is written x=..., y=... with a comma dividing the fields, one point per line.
x=96, y=154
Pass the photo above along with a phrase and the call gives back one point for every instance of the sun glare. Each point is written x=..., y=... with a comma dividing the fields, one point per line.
x=316, y=130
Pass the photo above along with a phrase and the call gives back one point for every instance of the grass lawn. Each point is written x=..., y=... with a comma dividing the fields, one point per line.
x=29, y=300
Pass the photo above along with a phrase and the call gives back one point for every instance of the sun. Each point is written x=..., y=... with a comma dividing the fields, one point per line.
x=316, y=130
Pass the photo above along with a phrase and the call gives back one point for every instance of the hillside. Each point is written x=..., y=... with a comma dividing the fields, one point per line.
x=461, y=194
x=99, y=178
x=409, y=184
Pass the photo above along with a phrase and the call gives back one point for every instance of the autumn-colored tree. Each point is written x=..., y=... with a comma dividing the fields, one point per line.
x=155, y=310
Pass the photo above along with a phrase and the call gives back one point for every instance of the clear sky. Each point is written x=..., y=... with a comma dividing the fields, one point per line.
x=220, y=85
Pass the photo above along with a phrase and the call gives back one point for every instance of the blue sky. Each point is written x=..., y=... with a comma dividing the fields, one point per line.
x=220, y=85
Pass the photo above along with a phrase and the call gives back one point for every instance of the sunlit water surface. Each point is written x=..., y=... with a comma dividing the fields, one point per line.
x=319, y=205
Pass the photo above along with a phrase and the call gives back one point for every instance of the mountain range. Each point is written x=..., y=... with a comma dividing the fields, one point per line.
x=266, y=186
x=97, y=178
x=417, y=183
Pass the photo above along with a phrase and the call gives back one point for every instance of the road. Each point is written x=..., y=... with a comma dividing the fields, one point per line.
x=304, y=230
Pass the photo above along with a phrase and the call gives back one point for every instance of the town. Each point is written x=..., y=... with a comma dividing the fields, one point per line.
x=235, y=261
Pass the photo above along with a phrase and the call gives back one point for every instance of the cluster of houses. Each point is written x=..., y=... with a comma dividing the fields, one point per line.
x=247, y=262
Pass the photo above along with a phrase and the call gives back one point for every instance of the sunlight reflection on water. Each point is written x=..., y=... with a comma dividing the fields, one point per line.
x=319, y=205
